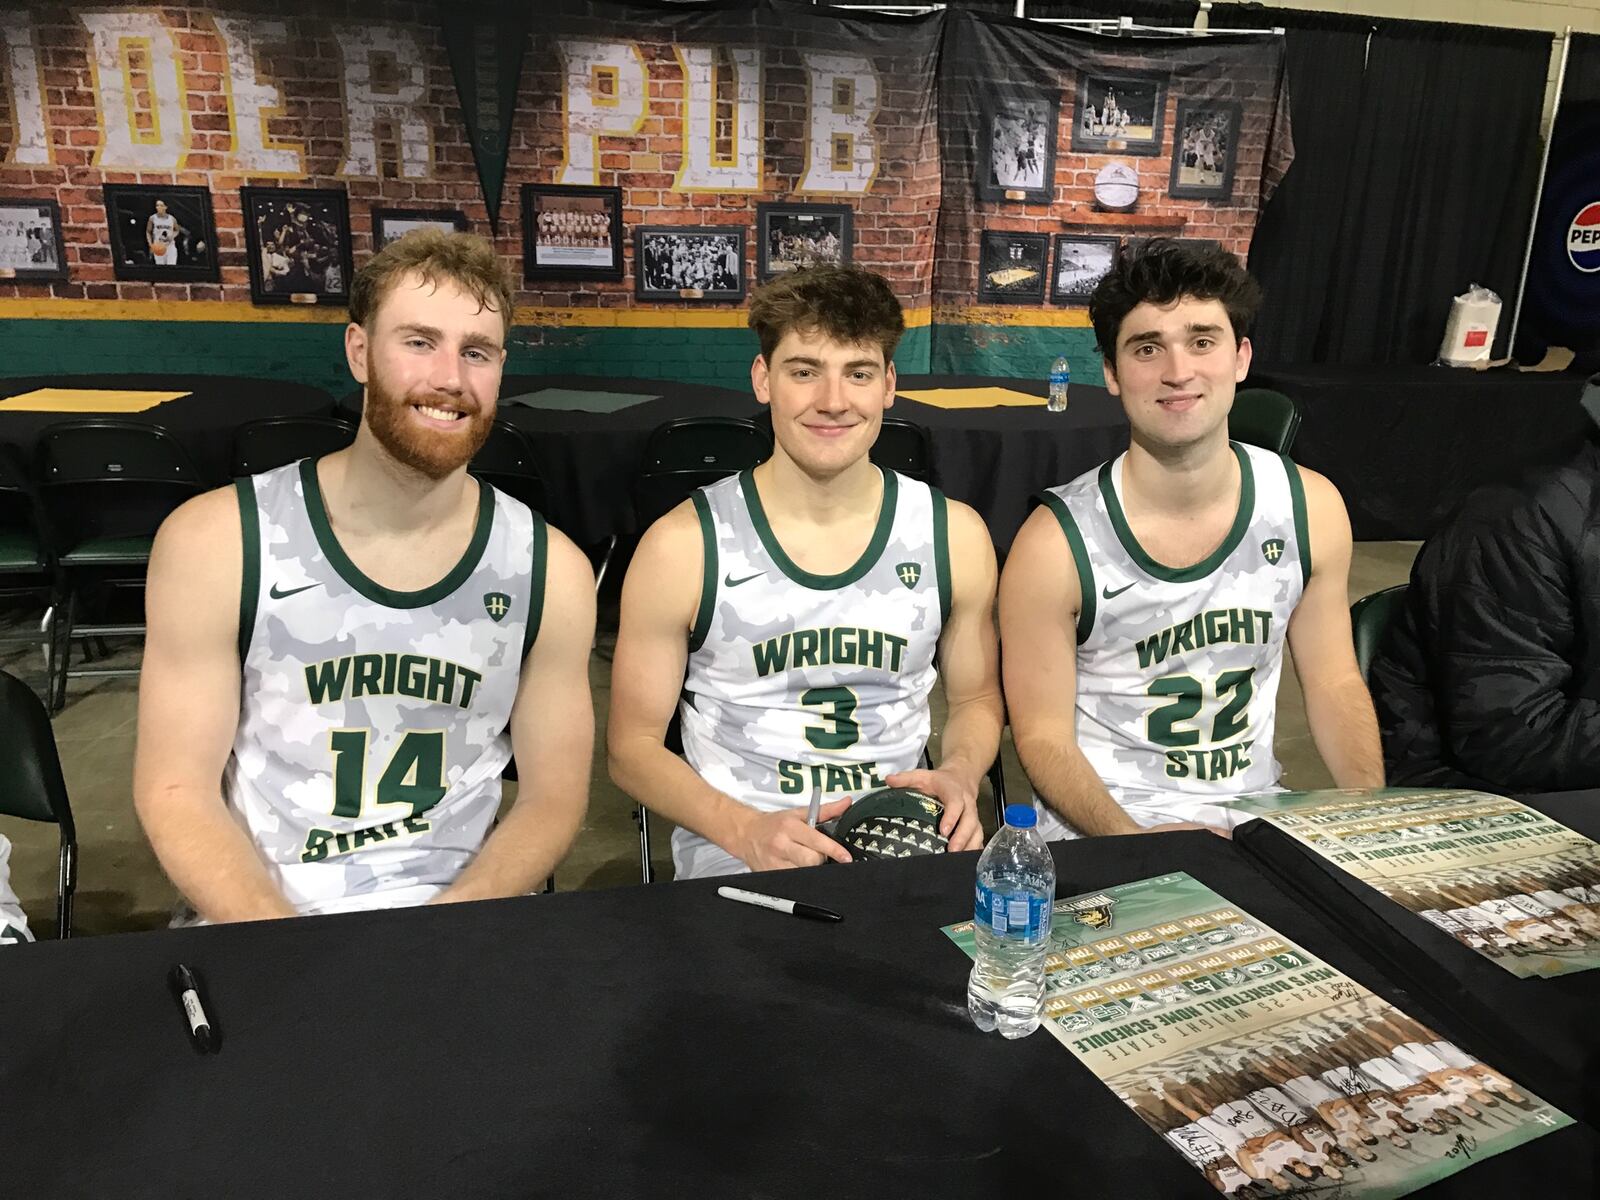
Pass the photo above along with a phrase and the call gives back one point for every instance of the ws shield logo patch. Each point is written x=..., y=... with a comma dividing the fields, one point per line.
x=1272, y=549
x=496, y=604
x=909, y=573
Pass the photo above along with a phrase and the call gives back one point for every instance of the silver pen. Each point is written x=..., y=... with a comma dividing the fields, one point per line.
x=816, y=805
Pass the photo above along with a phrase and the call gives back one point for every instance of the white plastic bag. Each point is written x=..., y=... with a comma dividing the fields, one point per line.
x=1469, y=333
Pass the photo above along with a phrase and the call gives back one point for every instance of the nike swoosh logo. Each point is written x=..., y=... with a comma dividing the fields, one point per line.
x=278, y=595
x=1108, y=594
x=730, y=581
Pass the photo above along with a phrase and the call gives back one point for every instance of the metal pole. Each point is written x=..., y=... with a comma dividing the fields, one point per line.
x=1538, y=191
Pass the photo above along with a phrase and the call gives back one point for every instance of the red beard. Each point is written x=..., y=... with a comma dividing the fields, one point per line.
x=434, y=454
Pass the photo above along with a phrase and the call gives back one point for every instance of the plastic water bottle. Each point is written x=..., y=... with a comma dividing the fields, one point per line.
x=1060, y=376
x=1011, y=923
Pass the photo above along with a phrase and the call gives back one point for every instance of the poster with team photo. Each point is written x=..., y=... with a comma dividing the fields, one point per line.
x=1521, y=889
x=1266, y=1068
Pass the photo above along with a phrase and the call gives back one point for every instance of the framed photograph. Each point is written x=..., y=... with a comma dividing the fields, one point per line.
x=391, y=223
x=792, y=236
x=161, y=233
x=1205, y=143
x=687, y=262
x=297, y=242
x=1017, y=147
x=571, y=232
x=1082, y=260
x=1119, y=114
x=31, y=250
x=1011, y=266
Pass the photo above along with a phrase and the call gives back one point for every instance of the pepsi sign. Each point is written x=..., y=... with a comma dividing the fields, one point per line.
x=1583, y=238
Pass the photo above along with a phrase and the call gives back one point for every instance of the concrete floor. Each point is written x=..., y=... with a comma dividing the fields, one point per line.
x=121, y=887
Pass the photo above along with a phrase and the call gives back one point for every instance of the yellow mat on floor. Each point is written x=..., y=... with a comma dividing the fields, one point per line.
x=983, y=397
x=86, y=400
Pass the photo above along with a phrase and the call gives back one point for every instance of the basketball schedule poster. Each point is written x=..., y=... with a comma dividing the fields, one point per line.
x=1521, y=889
x=1264, y=1067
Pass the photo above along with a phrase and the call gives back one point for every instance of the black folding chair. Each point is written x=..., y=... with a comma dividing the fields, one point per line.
x=107, y=485
x=31, y=786
x=904, y=446
x=277, y=441
x=1265, y=418
x=1370, y=618
x=27, y=559
x=506, y=461
x=689, y=453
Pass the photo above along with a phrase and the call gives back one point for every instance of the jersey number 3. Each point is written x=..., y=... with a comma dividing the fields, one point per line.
x=840, y=731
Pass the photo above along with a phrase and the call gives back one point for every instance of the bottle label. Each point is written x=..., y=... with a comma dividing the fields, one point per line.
x=1020, y=916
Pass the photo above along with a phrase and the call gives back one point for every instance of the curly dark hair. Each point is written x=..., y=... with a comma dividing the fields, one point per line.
x=848, y=304
x=1161, y=271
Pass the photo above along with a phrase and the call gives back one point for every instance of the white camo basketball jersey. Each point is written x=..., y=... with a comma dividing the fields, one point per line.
x=372, y=724
x=798, y=681
x=163, y=228
x=1178, y=669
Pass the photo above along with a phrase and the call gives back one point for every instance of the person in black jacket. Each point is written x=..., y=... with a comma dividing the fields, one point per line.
x=1490, y=677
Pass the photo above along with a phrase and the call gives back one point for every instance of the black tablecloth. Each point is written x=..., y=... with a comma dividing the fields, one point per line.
x=1550, y=1025
x=645, y=1041
x=203, y=421
x=1406, y=444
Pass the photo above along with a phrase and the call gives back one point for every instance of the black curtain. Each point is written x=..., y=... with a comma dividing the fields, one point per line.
x=1416, y=154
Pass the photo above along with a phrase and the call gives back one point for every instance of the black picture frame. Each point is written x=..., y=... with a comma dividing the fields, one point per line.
x=1017, y=146
x=1205, y=120
x=1001, y=254
x=149, y=222
x=674, y=262
x=31, y=246
x=594, y=252
x=801, y=223
x=297, y=259
x=391, y=223
x=1090, y=251
x=1143, y=99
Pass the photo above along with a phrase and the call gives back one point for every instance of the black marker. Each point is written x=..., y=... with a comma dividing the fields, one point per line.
x=795, y=908
x=187, y=991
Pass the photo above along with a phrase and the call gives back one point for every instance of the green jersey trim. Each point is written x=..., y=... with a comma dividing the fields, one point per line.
x=941, y=551
x=1088, y=605
x=1302, y=527
x=376, y=592
x=1241, y=522
x=537, y=575
x=250, y=578
x=708, y=572
x=823, y=583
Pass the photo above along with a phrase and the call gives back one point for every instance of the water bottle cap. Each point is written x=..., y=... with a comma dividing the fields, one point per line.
x=1021, y=816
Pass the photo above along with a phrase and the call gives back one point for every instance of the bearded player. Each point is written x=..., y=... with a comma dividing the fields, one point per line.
x=344, y=653
x=813, y=601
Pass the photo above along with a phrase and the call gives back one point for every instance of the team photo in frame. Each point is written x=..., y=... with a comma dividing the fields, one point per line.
x=161, y=233
x=297, y=244
x=790, y=237
x=689, y=262
x=1119, y=113
x=1012, y=266
x=31, y=247
x=1205, y=146
x=1017, y=146
x=391, y=223
x=571, y=232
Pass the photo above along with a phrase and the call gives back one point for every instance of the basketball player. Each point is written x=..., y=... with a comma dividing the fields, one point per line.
x=808, y=599
x=1147, y=602
x=161, y=233
x=343, y=642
